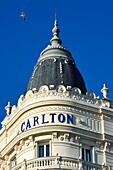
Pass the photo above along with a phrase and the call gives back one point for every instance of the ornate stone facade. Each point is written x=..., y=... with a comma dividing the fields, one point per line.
x=58, y=127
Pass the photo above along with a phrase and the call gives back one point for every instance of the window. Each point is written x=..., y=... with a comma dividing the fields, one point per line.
x=86, y=154
x=43, y=150
x=13, y=162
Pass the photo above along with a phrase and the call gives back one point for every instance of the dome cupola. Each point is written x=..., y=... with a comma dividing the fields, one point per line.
x=56, y=66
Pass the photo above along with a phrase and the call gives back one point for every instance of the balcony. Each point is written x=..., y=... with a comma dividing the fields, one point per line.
x=58, y=162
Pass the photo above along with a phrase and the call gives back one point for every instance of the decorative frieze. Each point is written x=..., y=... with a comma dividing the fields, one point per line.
x=55, y=135
x=81, y=118
x=99, y=146
x=30, y=139
x=109, y=118
x=60, y=91
x=22, y=142
x=108, y=146
x=20, y=100
x=5, y=163
x=104, y=146
x=61, y=138
x=65, y=137
x=16, y=148
x=77, y=139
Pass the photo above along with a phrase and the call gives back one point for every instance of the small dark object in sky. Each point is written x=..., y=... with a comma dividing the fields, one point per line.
x=23, y=16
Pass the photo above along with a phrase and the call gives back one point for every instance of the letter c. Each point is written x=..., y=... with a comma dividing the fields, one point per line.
x=22, y=127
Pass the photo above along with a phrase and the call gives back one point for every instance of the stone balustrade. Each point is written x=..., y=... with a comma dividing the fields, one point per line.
x=17, y=167
x=92, y=166
x=58, y=162
x=53, y=162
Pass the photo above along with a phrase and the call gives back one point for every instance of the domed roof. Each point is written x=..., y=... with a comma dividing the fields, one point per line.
x=56, y=66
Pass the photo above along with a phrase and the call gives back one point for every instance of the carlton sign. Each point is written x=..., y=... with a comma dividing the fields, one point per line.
x=49, y=118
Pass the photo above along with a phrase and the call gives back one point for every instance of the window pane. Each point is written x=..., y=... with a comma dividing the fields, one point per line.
x=47, y=150
x=86, y=154
x=83, y=153
x=88, y=157
x=41, y=151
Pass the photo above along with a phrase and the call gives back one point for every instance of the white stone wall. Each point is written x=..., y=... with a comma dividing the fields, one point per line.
x=65, y=149
x=92, y=127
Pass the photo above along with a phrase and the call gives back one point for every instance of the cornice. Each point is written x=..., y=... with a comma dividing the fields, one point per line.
x=47, y=130
x=59, y=96
x=53, y=101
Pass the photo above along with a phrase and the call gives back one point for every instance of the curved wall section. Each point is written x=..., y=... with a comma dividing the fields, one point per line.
x=50, y=124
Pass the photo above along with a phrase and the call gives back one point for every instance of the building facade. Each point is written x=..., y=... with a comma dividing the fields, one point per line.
x=57, y=124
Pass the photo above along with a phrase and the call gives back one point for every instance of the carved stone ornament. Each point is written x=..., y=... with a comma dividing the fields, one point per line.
x=29, y=94
x=71, y=139
x=77, y=138
x=16, y=147
x=27, y=143
x=75, y=91
x=14, y=108
x=61, y=89
x=20, y=100
x=99, y=145
x=5, y=162
x=105, y=103
x=6, y=157
x=4, y=165
x=91, y=95
x=79, y=120
x=105, y=91
x=108, y=147
x=66, y=135
x=22, y=142
x=54, y=135
x=8, y=108
x=30, y=139
x=54, y=60
x=43, y=89
x=61, y=138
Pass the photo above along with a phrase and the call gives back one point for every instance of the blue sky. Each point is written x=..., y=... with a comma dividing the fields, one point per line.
x=86, y=29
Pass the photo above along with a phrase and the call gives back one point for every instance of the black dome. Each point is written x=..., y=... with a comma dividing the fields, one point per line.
x=56, y=66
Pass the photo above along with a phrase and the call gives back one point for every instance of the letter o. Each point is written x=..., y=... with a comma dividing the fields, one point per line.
x=61, y=118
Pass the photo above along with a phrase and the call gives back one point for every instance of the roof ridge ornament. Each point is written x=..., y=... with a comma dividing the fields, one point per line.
x=8, y=108
x=105, y=91
x=55, y=40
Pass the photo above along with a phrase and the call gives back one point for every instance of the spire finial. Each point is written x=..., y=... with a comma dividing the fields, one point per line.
x=55, y=40
x=55, y=14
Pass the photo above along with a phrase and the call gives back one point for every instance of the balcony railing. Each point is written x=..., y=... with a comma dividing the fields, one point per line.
x=52, y=162
x=92, y=166
x=58, y=163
